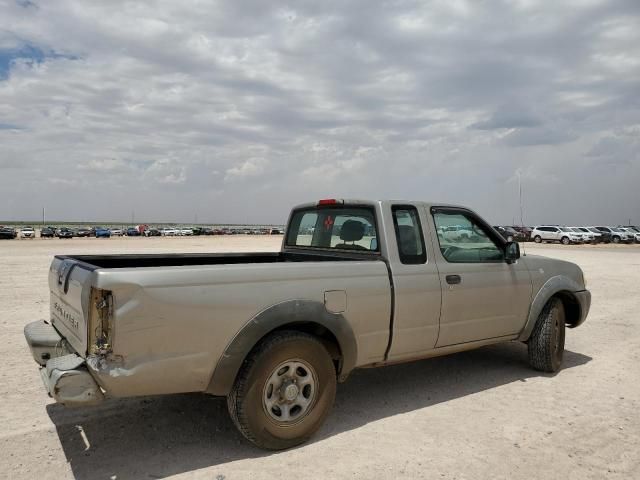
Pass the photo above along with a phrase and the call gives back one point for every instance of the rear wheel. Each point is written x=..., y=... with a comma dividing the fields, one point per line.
x=537, y=239
x=546, y=344
x=284, y=391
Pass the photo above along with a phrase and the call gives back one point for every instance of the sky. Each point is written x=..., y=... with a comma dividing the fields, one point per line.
x=235, y=111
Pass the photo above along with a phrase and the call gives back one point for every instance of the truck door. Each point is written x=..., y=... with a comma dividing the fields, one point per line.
x=417, y=289
x=482, y=295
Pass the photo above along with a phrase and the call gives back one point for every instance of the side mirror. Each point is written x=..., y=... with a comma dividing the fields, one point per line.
x=512, y=252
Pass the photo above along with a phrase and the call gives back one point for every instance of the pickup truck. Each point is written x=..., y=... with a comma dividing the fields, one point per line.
x=356, y=284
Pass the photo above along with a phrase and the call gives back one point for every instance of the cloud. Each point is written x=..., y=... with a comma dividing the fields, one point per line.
x=165, y=106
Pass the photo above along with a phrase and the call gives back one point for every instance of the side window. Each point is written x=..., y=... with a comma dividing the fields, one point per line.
x=409, y=235
x=463, y=240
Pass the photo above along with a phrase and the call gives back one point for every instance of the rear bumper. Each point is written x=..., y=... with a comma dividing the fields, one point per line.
x=64, y=373
x=584, y=300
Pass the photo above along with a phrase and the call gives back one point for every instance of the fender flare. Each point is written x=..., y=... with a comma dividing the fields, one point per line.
x=553, y=286
x=277, y=316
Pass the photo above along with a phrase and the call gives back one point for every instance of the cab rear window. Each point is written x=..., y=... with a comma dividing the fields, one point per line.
x=334, y=228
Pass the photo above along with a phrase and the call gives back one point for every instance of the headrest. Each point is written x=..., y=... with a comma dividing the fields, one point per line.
x=352, y=231
x=408, y=240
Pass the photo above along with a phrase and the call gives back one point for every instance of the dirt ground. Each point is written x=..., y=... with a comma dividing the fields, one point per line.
x=475, y=415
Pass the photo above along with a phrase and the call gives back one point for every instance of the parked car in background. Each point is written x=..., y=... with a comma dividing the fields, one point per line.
x=7, y=233
x=553, y=233
x=632, y=232
x=27, y=232
x=276, y=231
x=132, y=232
x=587, y=237
x=47, y=232
x=525, y=232
x=508, y=233
x=64, y=232
x=116, y=232
x=605, y=237
x=152, y=232
x=83, y=232
x=185, y=231
x=101, y=232
x=617, y=235
x=596, y=237
x=169, y=232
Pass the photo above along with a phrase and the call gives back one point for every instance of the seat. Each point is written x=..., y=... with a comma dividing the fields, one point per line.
x=408, y=240
x=351, y=231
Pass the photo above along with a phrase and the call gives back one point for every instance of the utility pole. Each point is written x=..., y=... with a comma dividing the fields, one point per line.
x=42, y=217
x=520, y=193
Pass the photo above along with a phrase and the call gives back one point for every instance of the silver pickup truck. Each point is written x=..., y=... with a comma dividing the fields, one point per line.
x=356, y=284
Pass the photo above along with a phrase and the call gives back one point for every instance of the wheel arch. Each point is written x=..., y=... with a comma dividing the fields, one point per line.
x=307, y=316
x=560, y=287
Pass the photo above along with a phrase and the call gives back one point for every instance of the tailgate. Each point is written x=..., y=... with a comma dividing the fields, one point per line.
x=70, y=287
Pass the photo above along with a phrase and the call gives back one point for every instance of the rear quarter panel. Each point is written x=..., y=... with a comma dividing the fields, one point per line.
x=172, y=324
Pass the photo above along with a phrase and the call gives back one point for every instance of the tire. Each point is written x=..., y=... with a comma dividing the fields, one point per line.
x=254, y=405
x=537, y=239
x=546, y=344
x=565, y=241
x=615, y=239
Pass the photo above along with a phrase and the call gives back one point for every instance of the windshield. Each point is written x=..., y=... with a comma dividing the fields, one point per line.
x=566, y=229
x=335, y=228
x=577, y=230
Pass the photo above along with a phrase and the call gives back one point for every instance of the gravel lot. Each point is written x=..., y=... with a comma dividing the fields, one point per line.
x=480, y=414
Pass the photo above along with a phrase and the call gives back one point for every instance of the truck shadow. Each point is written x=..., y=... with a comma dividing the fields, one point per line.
x=155, y=437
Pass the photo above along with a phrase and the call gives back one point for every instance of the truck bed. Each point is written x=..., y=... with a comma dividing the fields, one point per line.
x=92, y=262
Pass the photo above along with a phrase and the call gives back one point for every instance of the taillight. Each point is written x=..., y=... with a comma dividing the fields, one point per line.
x=100, y=322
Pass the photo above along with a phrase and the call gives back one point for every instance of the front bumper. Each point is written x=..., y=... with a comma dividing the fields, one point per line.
x=584, y=300
x=64, y=373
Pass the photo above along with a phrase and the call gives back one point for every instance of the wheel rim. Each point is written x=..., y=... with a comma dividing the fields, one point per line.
x=290, y=392
x=538, y=239
x=565, y=240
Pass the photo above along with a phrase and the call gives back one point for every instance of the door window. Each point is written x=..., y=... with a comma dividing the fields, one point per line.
x=463, y=239
x=409, y=235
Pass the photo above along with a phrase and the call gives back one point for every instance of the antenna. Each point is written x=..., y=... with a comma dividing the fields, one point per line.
x=521, y=208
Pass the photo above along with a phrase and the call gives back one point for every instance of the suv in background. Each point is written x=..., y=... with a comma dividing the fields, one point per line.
x=617, y=235
x=596, y=236
x=552, y=233
x=587, y=237
x=508, y=233
x=633, y=232
x=605, y=236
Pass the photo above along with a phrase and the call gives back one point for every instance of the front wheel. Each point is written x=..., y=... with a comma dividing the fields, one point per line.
x=546, y=344
x=616, y=239
x=565, y=240
x=284, y=391
x=537, y=239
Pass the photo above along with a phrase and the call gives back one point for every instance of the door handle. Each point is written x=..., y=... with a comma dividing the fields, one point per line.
x=453, y=279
